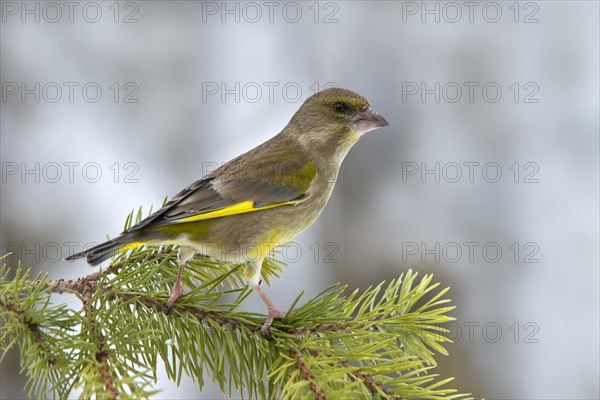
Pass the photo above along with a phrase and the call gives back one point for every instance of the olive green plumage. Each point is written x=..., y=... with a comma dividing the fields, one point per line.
x=262, y=198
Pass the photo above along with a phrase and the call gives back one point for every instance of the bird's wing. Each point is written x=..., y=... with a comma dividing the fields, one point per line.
x=213, y=198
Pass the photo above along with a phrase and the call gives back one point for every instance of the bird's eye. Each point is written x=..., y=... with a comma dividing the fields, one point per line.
x=341, y=107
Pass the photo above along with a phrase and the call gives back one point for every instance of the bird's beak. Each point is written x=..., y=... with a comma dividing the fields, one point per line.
x=368, y=120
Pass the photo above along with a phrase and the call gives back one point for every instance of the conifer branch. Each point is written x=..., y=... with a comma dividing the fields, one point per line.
x=306, y=375
x=380, y=343
x=375, y=388
x=87, y=287
x=32, y=327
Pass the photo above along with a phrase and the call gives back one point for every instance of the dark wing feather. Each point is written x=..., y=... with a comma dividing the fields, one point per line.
x=208, y=195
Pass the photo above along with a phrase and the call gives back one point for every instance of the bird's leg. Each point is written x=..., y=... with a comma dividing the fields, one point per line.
x=183, y=255
x=273, y=312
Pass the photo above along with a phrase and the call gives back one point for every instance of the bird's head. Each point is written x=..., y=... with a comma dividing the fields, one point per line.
x=334, y=119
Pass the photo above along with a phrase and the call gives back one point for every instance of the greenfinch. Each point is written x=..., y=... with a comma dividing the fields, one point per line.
x=259, y=200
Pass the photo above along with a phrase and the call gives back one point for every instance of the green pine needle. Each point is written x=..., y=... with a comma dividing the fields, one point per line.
x=381, y=343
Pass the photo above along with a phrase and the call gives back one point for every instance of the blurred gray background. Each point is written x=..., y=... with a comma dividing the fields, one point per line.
x=110, y=106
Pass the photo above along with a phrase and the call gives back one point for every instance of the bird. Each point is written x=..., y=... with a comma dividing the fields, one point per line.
x=259, y=200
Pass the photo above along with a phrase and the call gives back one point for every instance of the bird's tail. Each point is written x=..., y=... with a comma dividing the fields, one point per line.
x=105, y=250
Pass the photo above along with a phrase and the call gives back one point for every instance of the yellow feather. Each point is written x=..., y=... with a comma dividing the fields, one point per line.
x=131, y=246
x=239, y=208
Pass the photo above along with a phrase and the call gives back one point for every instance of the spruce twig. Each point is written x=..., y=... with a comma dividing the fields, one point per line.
x=380, y=343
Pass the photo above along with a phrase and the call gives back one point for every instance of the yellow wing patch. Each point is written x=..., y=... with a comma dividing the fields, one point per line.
x=130, y=246
x=239, y=208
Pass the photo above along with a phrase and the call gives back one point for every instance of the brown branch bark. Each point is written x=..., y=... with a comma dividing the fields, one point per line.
x=85, y=284
x=31, y=326
x=86, y=288
x=107, y=378
x=306, y=375
x=371, y=383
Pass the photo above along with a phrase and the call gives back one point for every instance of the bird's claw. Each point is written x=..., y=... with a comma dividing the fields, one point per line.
x=272, y=314
x=175, y=294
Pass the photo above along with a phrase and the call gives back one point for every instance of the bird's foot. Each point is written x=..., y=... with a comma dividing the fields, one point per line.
x=176, y=293
x=273, y=313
